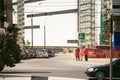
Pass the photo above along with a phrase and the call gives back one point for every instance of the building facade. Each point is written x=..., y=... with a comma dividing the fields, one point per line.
x=105, y=4
x=5, y=13
x=111, y=14
x=86, y=21
x=20, y=22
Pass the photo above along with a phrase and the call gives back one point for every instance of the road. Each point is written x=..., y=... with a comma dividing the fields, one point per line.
x=62, y=65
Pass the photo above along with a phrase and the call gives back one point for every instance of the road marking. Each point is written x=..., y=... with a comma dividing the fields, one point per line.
x=38, y=78
x=15, y=78
x=63, y=78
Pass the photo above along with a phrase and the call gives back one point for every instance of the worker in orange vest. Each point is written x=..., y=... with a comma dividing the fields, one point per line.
x=77, y=53
x=86, y=52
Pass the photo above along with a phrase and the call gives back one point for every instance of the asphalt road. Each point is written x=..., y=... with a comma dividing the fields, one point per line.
x=62, y=65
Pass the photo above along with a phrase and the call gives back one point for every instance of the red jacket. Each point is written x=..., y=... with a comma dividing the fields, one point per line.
x=86, y=51
x=77, y=52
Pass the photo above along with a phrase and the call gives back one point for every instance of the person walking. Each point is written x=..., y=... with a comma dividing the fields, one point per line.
x=82, y=53
x=86, y=52
x=77, y=53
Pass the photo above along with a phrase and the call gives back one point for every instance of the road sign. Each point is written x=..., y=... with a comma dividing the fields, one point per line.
x=34, y=27
x=81, y=36
x=72, y=41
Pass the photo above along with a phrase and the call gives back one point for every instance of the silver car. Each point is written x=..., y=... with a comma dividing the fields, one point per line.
x=41, y=54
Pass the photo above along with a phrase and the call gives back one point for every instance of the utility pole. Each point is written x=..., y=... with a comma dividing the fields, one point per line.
x=111, y=52
x=32, y=31
x=101, y=23
x=111, y=33
x=32, y=41
x=44, y=37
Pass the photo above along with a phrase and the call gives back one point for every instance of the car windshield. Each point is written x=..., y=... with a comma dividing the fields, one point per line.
x=116, y=61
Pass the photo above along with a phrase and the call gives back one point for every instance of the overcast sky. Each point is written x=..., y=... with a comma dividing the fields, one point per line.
x=59, y=28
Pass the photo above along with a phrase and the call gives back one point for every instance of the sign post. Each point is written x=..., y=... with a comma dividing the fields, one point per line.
x=111, y=31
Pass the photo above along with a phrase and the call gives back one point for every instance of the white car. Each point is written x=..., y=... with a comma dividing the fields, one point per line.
x=39, y=54
x=42, y=54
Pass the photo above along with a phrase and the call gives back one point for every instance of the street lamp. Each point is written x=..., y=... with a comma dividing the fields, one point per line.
x=32, y=26
x=45, y=31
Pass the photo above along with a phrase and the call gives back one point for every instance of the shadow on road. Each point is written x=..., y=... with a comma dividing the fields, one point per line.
x=39, y=78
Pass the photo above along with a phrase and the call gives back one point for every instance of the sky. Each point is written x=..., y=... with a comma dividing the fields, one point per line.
x=59, y=28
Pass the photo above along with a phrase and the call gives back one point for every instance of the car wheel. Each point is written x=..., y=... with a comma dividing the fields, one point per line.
x=100, y=75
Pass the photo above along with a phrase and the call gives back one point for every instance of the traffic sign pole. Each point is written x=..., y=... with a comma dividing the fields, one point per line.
x=111, y=32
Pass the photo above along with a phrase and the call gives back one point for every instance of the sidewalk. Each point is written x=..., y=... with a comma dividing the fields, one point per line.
x=90, y=62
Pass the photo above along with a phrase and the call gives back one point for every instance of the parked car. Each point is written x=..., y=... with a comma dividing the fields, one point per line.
x=41, y=54
x=44, y=54
x=32, y=53
x=24, y=53
x=96, y=53
x=50, y=53
x=101, y=72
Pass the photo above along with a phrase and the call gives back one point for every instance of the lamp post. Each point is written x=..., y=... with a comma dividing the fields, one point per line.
x=32, y=26
x=45, y=32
